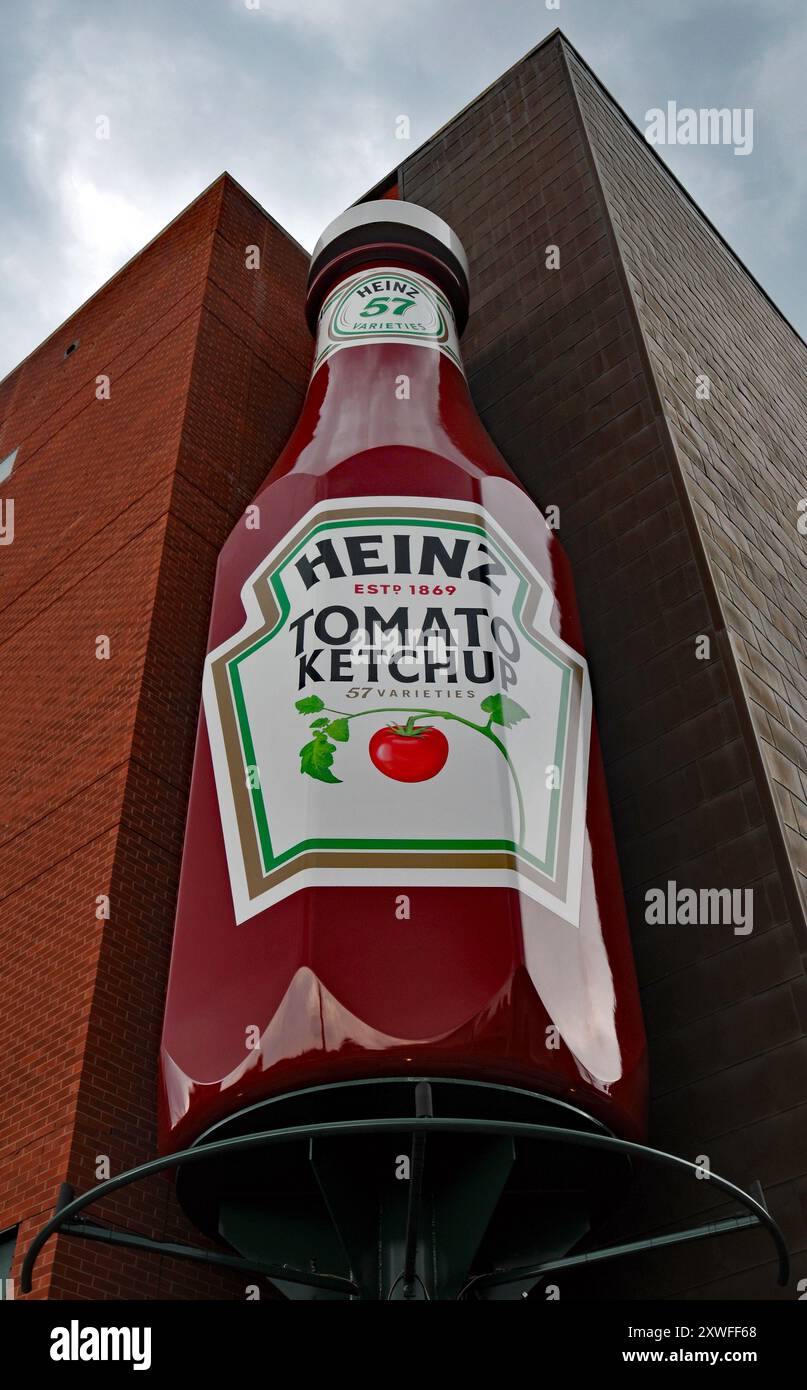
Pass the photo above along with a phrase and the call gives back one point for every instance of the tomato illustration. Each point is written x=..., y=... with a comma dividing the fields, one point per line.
x=409, y=752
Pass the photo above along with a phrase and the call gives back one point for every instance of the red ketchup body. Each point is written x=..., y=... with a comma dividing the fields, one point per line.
x=355, y=979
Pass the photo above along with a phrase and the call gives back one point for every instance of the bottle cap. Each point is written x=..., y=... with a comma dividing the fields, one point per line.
x=401, y=233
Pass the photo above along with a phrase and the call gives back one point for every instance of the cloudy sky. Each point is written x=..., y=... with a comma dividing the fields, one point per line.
x=298, y=99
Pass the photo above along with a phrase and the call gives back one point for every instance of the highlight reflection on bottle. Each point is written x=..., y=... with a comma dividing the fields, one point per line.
x=399, y=856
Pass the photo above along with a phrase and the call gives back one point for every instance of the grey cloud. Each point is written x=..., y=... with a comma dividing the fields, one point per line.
x=298, y=99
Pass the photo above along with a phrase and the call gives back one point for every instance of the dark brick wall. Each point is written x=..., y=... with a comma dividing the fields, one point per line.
x=559, y=367
x=741, y=452
x=121, y=507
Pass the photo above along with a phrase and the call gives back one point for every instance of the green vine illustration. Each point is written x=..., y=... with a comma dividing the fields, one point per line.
x=332, y=727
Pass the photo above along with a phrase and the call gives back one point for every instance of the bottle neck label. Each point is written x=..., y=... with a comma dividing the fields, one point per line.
x=398, y=709
x=386, y=305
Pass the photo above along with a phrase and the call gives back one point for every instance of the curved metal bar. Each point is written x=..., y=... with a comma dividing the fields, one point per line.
x=309, y=1093
x=410, y=1124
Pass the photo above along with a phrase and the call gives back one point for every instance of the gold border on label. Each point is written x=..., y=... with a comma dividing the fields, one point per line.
x=258, y=881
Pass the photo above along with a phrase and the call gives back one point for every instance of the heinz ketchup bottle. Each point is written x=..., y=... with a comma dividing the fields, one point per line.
x=399, y=858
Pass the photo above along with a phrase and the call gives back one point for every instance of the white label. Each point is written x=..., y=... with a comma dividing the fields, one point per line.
x=398, y=710
x=386, y=305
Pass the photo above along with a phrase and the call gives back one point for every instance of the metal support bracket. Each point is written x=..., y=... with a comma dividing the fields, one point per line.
x=68, y=1221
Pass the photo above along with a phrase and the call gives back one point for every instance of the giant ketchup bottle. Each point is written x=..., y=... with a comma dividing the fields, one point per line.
x=399, y=857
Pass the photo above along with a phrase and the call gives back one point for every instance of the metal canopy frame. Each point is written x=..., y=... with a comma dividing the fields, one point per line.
x=67, y=1219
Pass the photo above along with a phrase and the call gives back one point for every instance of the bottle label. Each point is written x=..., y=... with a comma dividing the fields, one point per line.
x=387, y=305
x=397, y=710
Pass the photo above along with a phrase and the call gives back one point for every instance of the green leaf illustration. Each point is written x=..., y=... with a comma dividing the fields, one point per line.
x=502, y=710
x=316, y=758
x=310, y=704
x=338, y=729
x=320, y=723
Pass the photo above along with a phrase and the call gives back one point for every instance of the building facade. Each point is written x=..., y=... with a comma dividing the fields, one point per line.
x=647, y=389
x=120, y=508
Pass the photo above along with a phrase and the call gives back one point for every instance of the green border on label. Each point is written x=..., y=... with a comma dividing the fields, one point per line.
x=388, y=335
x=272, y=861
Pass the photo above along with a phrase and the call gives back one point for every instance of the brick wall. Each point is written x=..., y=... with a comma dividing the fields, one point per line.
x=741, y=452
x=121, y=506
x=560, y=369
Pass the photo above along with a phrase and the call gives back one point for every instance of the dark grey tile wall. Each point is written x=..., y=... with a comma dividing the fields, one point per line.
x=742, y=452
x=669, y=541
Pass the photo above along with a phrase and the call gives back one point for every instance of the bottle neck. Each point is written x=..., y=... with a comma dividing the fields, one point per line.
x=387, y=370
x=385, y=304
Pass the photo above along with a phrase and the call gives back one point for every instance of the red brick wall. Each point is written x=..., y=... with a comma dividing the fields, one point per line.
x=121, y=506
